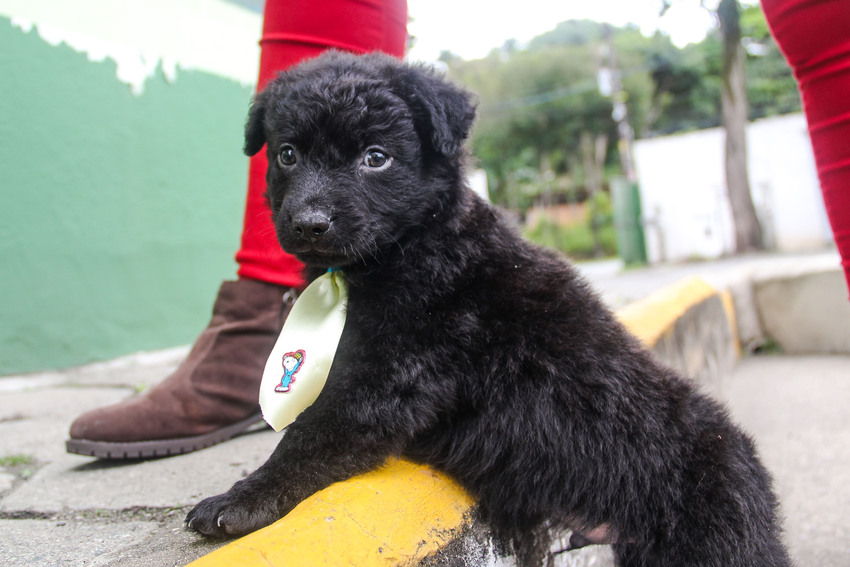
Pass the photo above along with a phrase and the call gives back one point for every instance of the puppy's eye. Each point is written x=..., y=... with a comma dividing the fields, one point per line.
x=376, y=159
x=286, y=156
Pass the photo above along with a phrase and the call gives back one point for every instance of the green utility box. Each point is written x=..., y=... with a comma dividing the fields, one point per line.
x=628, y=223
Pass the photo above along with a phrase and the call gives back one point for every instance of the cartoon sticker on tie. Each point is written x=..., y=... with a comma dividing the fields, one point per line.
x=292, y=362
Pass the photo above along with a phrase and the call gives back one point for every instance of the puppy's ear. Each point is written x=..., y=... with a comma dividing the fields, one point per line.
x=255, y=134
x=444, y=110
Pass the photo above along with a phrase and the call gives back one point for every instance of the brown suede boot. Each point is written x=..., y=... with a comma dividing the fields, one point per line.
x=213, y=394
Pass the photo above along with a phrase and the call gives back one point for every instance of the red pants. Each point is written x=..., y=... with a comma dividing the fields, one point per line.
x=294, y=30
x=814, y=35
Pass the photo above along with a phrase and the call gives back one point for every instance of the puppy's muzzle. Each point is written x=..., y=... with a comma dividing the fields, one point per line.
x=311, y=225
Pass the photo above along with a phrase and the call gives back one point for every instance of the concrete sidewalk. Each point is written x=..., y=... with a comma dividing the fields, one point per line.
x=619, y=286
x=61, y=509
x=796, y=408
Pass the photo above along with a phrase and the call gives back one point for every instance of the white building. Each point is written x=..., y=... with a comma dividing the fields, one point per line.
x=685, y=209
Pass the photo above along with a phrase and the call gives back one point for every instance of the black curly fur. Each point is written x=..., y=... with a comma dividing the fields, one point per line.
x=476, y=352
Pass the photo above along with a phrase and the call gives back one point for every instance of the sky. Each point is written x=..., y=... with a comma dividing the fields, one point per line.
x=471, y=28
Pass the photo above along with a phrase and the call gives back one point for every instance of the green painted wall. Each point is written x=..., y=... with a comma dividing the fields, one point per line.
x=120, y=214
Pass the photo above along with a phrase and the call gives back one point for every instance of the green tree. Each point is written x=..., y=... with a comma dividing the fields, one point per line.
x=686, y=86
x=771, y=87
x=734, y=107
x=735, y=111
x=536, y=104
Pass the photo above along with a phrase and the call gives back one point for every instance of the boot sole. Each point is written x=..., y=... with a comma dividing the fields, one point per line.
x=160, y=447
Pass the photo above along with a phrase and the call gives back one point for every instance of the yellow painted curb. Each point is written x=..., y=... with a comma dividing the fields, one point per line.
x=650, y=317
x=731, y=316
x=396, y=515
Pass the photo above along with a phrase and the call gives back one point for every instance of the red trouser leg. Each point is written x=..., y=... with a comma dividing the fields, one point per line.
x=814, y=35
x=294, y=30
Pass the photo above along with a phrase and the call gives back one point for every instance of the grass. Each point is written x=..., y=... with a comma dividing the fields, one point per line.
x=767, y=347
x=20, y=465
x=16, y=461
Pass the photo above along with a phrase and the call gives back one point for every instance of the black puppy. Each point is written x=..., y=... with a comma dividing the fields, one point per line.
x=467, y=348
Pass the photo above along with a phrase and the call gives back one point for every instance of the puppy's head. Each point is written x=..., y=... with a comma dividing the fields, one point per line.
x=362, y=150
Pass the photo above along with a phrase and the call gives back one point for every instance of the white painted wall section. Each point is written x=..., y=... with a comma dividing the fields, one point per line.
x=783, y=172
x=685, y=208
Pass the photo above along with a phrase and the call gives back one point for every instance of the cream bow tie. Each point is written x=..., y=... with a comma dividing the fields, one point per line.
x=298, y=366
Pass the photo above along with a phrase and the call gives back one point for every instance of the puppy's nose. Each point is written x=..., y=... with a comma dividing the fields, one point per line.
x=311, y=225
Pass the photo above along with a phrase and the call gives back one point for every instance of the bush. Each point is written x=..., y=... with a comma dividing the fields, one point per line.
x=575, y=241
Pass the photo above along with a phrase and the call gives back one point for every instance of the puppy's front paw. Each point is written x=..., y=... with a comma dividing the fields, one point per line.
x=227, y=515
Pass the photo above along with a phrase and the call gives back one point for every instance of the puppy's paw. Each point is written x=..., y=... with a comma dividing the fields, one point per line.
x=227, y=515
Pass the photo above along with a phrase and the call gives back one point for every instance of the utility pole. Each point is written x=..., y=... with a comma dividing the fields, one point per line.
x=625, y=195
x=611, y=85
